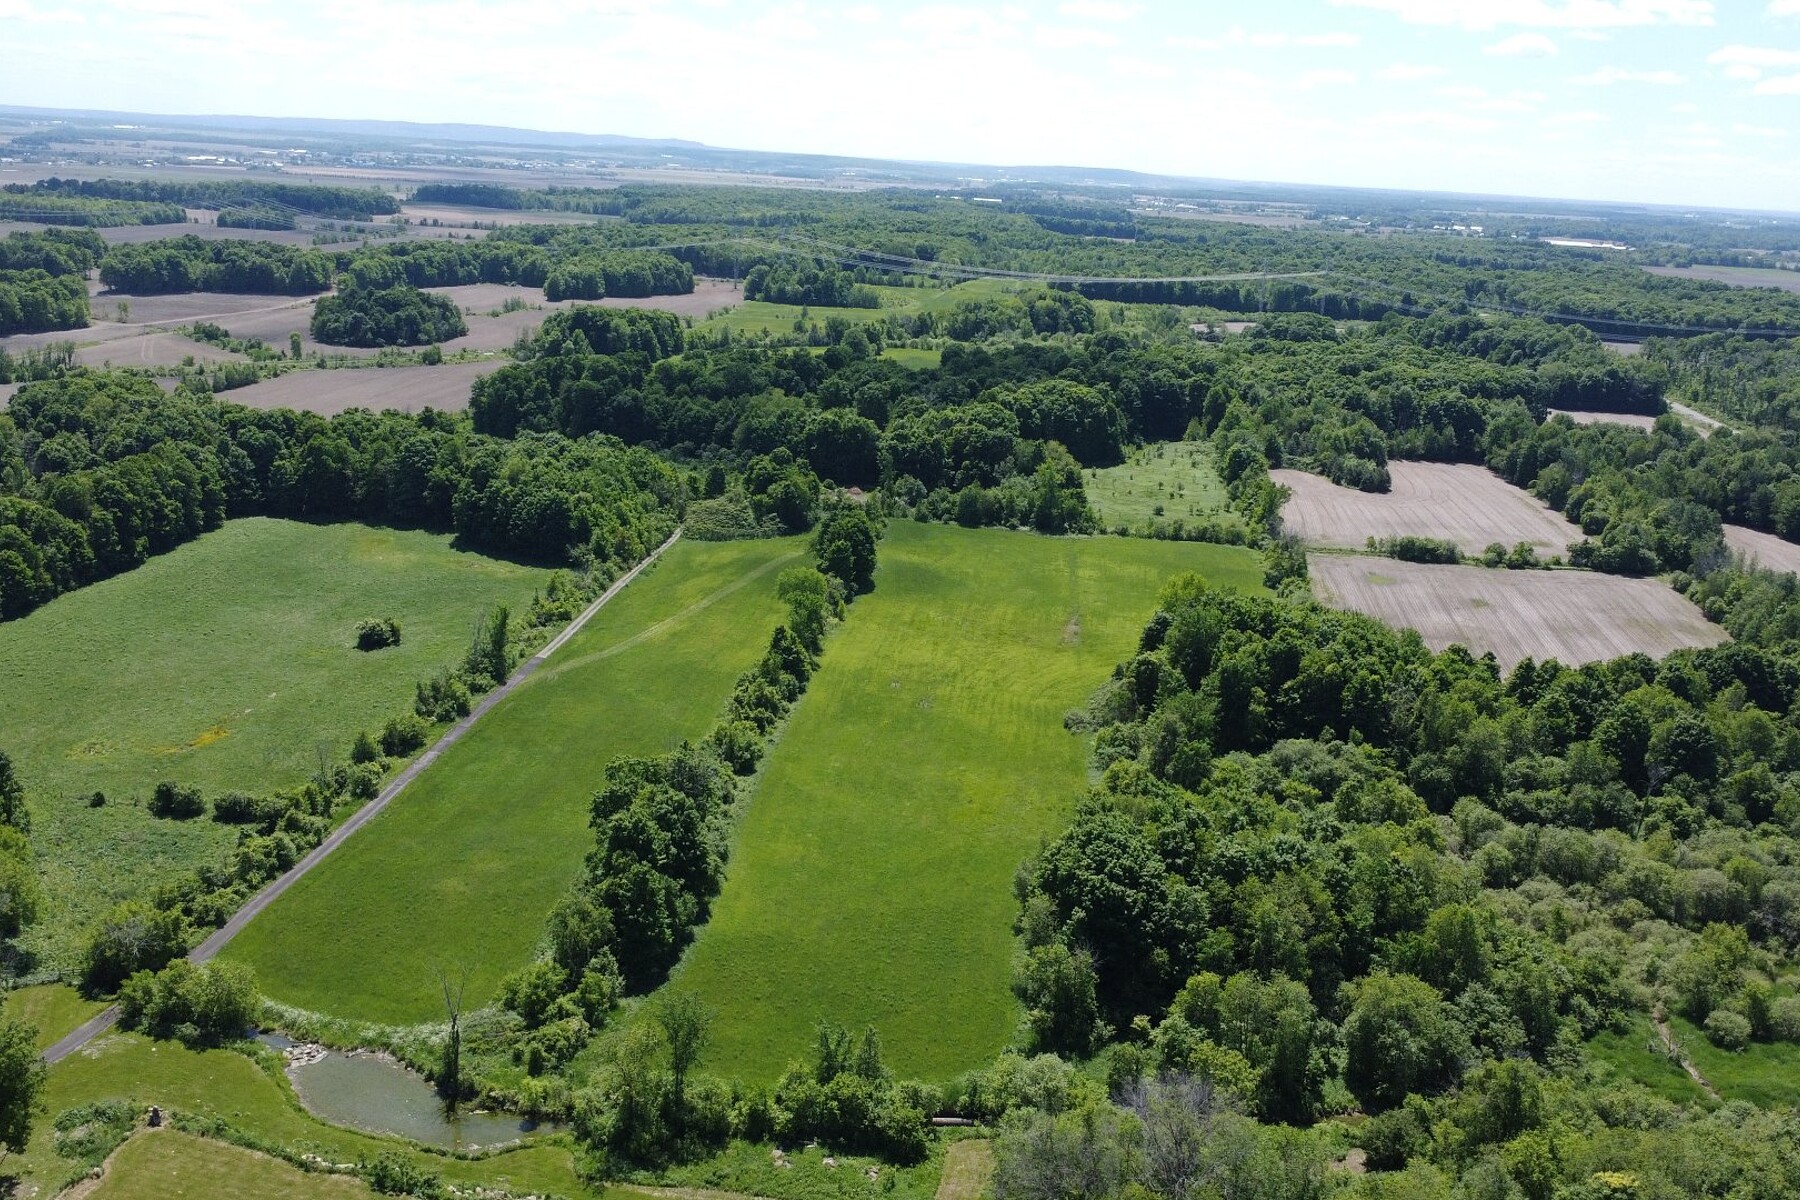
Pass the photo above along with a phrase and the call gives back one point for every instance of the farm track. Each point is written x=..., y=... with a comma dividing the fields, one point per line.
x=222, y=936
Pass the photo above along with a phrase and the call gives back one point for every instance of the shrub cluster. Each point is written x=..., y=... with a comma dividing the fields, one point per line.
x=202, y=1005
x=377, y=633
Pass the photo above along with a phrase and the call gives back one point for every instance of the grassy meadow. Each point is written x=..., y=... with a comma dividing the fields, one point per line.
x=227, y=664
x=754, y=317
x=1766, y=1074
x=53, y=1009
x=179, y=1166
x=230, y=1086
x=1164, y=481
x=870, y=879
x=462, y=870
x=1635, y=1053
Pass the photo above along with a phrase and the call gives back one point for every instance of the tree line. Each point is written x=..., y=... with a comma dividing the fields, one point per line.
x=319, y=200
x=100, y=471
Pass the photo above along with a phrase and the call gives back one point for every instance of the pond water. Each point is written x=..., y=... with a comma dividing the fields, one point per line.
x=374, y=1093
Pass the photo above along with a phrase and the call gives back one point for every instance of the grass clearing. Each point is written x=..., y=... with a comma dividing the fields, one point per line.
x=1164, y=481
x=54, y=1009
x=463, y=868
x=755, y=317
x=227, y=663
x=870, y=881
x=169, y=1165
x=1572, y=616
x=1635, y=1053
x=1457, y=502
x=968, y=1167
x=1766, y=1074
x=230, y=1086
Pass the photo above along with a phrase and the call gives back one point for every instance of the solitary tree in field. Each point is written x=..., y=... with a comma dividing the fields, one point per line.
x=687, y=1024
x=449, y=1083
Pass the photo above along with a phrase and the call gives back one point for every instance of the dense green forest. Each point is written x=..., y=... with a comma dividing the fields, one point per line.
x=193, y=264
x=395, y=316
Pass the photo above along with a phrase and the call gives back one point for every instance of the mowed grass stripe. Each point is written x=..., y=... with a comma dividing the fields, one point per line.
x=227, y=664
x=463, y=867
x=870, y=882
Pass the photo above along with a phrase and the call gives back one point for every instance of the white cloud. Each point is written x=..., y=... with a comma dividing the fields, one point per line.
x=1781, y=85
x=1684, y=108
x=1481, y=15
x=1410, y=72
x=1760, y=131
x=1344, y=40
x=1522, y=45
x=1747, y=63
x=1784, y=8
x=1319, y=79
x=1607, y=76
x=1133, y=67
x=1100, y=10
x=1069, y=37
x=1584, y=116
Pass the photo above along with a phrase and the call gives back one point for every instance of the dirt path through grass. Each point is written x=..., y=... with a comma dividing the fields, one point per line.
x=1674, y=1048
x=368, y=812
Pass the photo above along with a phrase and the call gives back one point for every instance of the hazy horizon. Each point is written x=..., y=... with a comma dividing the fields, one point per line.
x=1677, y=102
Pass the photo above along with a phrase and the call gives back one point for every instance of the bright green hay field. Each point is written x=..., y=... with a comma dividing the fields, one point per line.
x=176, y=1166
x=226, y=664
x=230, y=1086
x=1177, y=476
x=870, y=881
x=463, y=868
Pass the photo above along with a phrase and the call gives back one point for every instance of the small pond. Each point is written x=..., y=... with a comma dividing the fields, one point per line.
x=373, y=1092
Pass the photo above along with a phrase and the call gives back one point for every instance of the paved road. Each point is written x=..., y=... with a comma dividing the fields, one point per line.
x=368, y=812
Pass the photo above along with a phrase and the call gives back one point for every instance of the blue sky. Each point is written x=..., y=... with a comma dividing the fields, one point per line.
x=1674, y=101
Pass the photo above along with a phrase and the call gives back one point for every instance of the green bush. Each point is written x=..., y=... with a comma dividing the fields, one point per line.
x=403, y=735
x=373, y=634
x=176, y=802
x=205, y=1005
x=443, y=697
x=132, y=937
x=1727, y=1030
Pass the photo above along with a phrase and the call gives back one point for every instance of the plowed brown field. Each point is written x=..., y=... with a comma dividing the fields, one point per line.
x=1571, y=616
x=1458, y=502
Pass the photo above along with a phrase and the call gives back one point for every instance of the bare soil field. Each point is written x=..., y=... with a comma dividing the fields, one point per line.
x=1634, y=420
x=1698, y=420
x=452, y=216
x=1625, y=349
x=1763, y=549
x=479, y=301
x=6, y=392
x=1571, y=616
x=186, y=307
x=1458, y=502
x=408, y=389
x=1742, y=277
x=153, y=350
